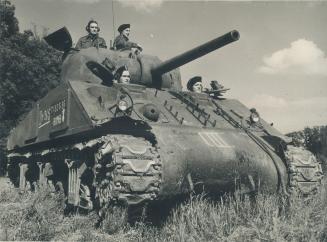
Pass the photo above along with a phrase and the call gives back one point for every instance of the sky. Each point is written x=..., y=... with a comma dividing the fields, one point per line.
x=278, y=66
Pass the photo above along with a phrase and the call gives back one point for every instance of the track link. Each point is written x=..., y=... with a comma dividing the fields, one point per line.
x=305, y=172
x=128, y=170
x=125, y=169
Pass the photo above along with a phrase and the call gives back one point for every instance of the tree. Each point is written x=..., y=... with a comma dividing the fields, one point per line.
x=313, y=139
x=8, y=21
x=29, y=68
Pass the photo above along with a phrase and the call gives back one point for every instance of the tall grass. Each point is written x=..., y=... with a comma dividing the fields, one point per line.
x=40, y=216
x=36, y=216
x=269, y=218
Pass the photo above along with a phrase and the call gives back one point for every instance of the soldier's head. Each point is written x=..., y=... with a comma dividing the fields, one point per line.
x=125, y=77
x=195, y=84
x=122, y=75
x=124, y=29
x=92, y=27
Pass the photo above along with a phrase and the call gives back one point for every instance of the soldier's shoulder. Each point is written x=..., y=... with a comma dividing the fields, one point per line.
x=83, y=38
x=102, y=39
x=119, y=37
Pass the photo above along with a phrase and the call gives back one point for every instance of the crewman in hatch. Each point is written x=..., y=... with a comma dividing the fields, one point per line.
x=122, y=40
x=195, y=84
x=92, y=39
x=122, y=75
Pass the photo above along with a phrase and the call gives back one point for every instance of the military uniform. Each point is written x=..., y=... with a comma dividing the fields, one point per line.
x=122, y=42
x=91, y=41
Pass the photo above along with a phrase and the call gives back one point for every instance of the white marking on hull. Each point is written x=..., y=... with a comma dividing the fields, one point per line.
x=205, y=139
x=213, y=139
x=44, y=124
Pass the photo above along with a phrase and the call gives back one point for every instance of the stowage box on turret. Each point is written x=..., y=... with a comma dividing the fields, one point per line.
x=103, y=142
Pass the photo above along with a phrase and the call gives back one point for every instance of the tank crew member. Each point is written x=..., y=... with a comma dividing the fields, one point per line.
x=122, y=75
x=122, y=40
x=195, y=84
x=92, y=39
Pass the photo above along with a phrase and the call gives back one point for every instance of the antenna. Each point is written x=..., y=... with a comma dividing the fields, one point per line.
x=113, y=17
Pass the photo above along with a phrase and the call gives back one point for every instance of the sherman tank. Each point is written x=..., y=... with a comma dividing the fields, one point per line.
x=101, y=142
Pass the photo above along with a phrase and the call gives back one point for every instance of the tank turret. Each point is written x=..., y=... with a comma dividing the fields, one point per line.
x=146, y=70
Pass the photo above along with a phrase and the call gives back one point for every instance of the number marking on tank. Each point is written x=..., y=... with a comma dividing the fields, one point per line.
x=55, y=114
x=214, y=139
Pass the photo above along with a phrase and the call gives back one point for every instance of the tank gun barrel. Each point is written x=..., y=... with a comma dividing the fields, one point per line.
x=196, y=52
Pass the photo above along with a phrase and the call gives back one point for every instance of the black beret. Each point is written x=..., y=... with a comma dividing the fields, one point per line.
x=123, y=26
x=192, y=81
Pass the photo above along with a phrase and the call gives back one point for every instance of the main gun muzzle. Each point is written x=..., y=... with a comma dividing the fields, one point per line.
x=195, y=53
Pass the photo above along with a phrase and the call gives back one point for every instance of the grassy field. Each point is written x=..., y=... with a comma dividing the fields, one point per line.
x=39, y=216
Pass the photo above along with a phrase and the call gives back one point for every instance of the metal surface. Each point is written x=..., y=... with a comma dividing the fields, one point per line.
x=60, y=40
x=166, y=143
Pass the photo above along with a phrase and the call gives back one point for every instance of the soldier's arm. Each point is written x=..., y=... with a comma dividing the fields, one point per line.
x=131, y=44
x=102, y=43
x=134, y=45
x=121, y=43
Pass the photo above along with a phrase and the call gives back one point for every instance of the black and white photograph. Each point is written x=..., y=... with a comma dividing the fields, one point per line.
x=163, y=120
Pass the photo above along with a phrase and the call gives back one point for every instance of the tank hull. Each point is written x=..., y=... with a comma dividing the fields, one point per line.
x=189, y=148
x=191, y=160
x=213, y=160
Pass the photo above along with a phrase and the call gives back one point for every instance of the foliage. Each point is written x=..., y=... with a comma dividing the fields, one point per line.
x=29, y=68
x=39, y=216
x=8, y=21
x=36, y=216
x=315, y=140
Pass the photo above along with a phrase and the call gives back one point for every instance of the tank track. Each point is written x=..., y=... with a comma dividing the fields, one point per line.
x=128, y=170
x=305, y=172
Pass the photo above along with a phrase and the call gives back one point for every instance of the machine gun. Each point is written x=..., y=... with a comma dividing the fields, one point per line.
x=217, y=90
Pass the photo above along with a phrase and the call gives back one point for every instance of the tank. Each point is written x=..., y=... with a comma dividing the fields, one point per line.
x=104, y=143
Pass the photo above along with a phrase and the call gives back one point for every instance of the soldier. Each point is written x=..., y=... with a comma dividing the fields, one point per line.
x=122, y=40
x=195, y=84
x=122, y=75
x=92, y=39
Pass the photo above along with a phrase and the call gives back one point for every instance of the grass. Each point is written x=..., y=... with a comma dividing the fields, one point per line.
x=40, y=216
x=270, y=218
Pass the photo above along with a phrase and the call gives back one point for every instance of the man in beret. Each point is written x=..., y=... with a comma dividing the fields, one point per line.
x=122, y=40
x=122, y=75
x=92, y=39
x=195, y=84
